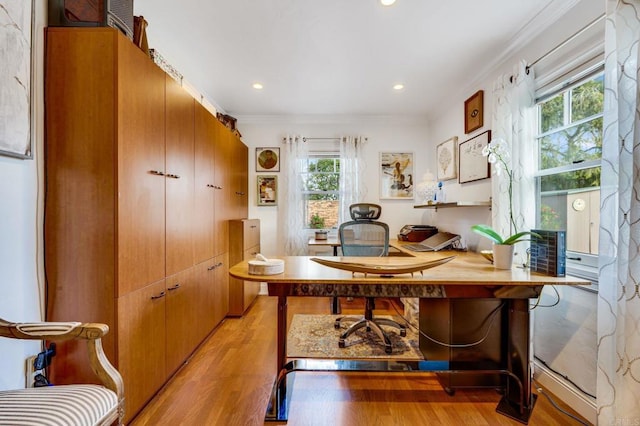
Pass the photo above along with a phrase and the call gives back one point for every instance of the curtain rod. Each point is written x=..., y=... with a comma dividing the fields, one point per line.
x=568, y=40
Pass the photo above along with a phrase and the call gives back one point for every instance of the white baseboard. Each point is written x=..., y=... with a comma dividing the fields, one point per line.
x=582, y=404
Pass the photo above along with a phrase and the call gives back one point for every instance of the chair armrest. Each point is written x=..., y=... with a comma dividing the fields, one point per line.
x=59, y=331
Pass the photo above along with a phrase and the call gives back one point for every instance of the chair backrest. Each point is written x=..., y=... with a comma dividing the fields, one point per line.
x=364, y=236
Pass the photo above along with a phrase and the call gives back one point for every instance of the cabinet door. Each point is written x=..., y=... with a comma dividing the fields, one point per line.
x=205, y=276
x=251, y=233
x=221, y=288
x=140, y=169
x=204, y=185
x=240, y=185
x=182, y=319
x=179, y=142
x=222, y=170
x=141, y=344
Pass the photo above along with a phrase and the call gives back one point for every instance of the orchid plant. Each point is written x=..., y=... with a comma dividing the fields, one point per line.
x=498, y=155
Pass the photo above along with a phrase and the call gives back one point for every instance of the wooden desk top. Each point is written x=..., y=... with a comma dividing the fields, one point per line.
x=466, y=269
x=330, y=241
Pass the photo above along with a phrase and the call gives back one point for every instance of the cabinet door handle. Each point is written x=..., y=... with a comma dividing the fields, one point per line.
x=159, y=296
x=219, y=264
x=175, y=287
x=211, y=268
x=171, y=175
x=253, y=226
x=156, y=172
x=211, y=186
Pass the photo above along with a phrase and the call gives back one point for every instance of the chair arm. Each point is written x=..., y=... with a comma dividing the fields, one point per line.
x=59, y=331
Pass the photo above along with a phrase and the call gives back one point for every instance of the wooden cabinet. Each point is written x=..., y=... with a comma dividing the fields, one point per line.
x=239, y=178
x=131, y=180
x=179, y=142
x=244, y=244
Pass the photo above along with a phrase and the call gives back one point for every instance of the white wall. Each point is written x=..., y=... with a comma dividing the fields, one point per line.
x=384, y=134
x=564, y=335
x=20, y=241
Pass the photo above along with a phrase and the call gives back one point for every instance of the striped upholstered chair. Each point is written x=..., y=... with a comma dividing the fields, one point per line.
x=68, y=405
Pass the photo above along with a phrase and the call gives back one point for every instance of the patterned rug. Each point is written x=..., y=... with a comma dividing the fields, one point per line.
x=314, y=336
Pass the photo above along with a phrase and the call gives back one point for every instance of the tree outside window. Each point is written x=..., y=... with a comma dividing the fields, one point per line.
x=570, y=147
x=321, y=190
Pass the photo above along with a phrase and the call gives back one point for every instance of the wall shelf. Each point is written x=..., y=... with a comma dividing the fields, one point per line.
x=437, y=206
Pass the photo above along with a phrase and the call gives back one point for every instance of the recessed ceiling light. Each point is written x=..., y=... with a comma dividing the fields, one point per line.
x=398, y=86
x=387, y=2
x=258, y=86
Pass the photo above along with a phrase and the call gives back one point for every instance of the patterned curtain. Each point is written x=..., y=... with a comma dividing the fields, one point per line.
x=352, y=182
x=618, y=379
x=514, y=124
x=291, y=220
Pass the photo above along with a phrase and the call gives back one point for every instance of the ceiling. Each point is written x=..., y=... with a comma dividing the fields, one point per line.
x=338, y=57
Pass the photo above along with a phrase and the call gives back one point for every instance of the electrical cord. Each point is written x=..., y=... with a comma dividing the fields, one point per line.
x=557, y=373
x=492, y=318
x=556, y=406
x=538, y=305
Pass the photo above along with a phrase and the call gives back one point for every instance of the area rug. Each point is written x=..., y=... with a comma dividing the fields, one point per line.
x=314, y=336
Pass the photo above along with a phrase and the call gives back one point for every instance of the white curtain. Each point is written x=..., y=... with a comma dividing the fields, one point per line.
x=291, y=220
x=618, y=379
x=514, y=123
x=352, y=184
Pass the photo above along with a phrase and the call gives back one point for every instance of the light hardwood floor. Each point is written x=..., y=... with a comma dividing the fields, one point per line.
x=228, y=380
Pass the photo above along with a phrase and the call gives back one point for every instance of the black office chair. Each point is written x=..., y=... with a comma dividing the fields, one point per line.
x=365, y=236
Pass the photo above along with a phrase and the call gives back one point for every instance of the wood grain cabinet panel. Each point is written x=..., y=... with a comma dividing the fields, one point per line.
x=179, y=124
x=132, y=187
x=244, y=244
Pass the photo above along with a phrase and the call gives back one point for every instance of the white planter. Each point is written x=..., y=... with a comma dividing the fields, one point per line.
x=502, y=256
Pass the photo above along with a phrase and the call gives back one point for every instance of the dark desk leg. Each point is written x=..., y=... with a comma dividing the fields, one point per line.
x=511, y=404
x=278, y=409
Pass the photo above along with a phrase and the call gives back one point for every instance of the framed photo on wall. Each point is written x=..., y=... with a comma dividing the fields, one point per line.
x=473, y=112
x=473, y=165
x=267, y=159
x=447, y=159
x=396, y=175
x=267, y=190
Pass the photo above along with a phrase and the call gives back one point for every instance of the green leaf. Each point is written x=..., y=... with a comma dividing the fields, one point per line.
x=487, y=232
x=516, y=238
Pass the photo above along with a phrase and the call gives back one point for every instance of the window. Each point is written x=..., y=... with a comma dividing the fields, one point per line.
x=321, y=193
x=569, y=142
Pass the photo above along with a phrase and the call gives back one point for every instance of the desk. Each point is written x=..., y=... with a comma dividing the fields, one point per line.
x=468, y=276
x=329, y=242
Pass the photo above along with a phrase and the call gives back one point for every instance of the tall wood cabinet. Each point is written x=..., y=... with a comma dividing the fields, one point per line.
x=128, y=171
x=244, y=244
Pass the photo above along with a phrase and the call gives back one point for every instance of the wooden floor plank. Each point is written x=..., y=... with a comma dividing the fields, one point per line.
x=229, y=378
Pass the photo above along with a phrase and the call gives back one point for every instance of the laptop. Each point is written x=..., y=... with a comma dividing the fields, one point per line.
x=435, y=242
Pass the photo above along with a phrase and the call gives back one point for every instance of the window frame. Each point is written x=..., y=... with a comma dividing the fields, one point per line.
x=335, y=155
x=583, y=265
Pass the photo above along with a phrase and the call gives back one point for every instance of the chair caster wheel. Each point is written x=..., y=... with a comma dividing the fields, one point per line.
x=403, y=332
x=388, y=349
x=336, y=325
x=450, y=391
x=341, y=343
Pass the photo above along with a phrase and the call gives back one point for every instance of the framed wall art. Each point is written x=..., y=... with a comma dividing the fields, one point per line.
x=267, y=190
x=16, y=24
x=473, y=165
x=447, y=159
x=267, y=159
x=396, y=175
x=473, y=112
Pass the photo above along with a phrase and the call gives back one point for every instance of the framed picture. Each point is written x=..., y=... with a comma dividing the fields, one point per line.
x=267, y=190
x=16, y=23
x=446, y=159
x=396, y=175
x=267, y=159
x=473, y=112
x=473, y=165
